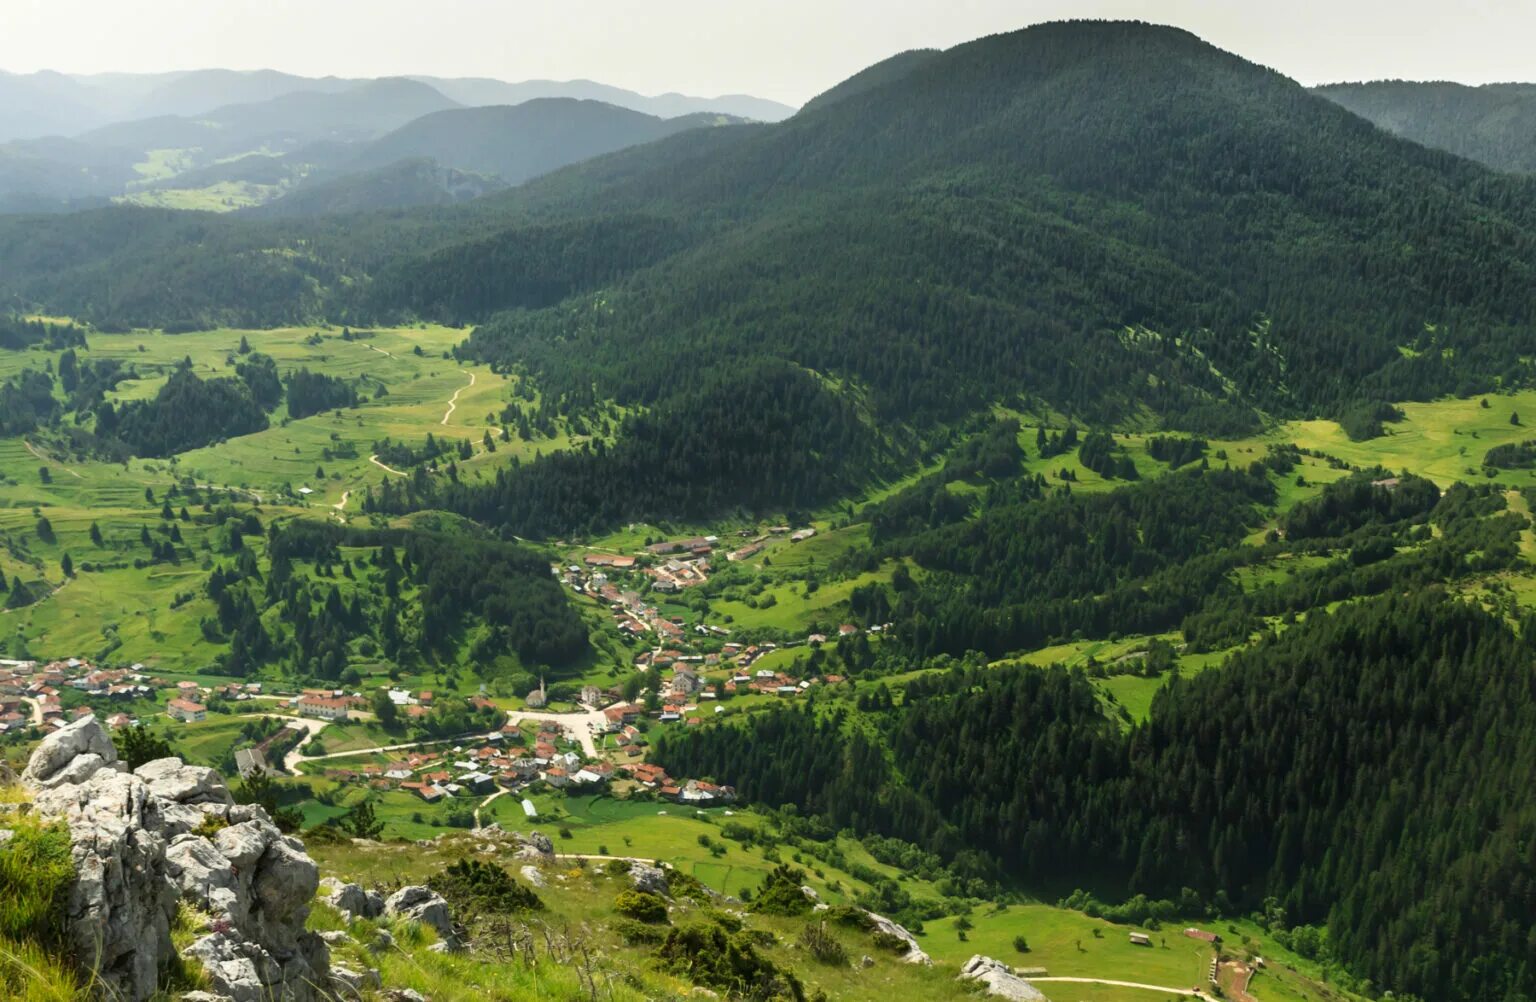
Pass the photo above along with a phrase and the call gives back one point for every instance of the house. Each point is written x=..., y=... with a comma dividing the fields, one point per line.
x=478, y=782
x=1141, y=939
x=186, y=711
x=323, y=708
x=426, y=791
x=591, y=695
x=249, y=761
x=556, y=777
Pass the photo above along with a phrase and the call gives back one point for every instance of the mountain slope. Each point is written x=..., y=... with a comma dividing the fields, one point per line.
x=881, y=73
x=283, y=122
x=522, y=141
x=1494, y=124
x=1113, y=218
x=401, y=185
x=1052, y=186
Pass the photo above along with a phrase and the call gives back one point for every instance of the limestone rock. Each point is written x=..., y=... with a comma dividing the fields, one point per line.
x=423, y=905
x=349, y=984
x=352, y=900
x=334, y=937
x=914, y=954
x=534, y=845
x=70, y=754
x=136, y=857
x=1000, y=980
x=533, y=875
x=174, y=780
x=404, y=995
x=651, y=879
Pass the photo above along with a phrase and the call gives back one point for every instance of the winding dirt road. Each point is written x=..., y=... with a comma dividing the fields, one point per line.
x=1193, y=993
x=374, y=459
x=453, y=401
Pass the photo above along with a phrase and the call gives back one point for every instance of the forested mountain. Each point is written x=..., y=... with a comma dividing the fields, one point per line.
x=515, y=143
x=399, y=185
x=1340, y=769
x=1494, y=124
x=481, y=92
x=882, y=72
x=281, y=123
x=47, y=103
x=1112, y=218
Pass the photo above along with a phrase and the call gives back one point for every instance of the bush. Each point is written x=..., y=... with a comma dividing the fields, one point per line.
x=780, y=893
x=474, y=887
x=642, y=906
x=710, y=955
x=822, y=945
x=1021, y=944
x=891, y=942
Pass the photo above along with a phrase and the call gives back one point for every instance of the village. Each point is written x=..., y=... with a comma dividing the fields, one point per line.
x=548, y=753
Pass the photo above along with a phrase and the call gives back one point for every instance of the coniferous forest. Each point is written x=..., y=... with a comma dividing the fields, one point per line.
x=1080, y=465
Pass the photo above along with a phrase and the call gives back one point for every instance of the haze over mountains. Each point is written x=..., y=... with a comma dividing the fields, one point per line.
x=179, y=139
x=1494, y=124
x=1114, y=235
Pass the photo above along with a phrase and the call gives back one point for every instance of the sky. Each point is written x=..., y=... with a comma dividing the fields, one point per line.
x=787, y=50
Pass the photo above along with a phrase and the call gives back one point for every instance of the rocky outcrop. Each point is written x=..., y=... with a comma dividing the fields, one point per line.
x=352, y=900
x=535, y=846
x=141, y=845
x=914, y=953
x=423, y=905
x=1000, y=980
x=651, y=879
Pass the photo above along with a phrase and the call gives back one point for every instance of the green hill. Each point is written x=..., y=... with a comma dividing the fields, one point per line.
x=400, y=185
x=1494, y=124
x=522, y=141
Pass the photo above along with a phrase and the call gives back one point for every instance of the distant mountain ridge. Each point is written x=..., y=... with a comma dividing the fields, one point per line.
x=47, y=103
x=1494, y=124
x=522, y=141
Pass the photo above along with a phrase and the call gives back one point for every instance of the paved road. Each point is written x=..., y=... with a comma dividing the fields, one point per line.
x=1186, y=992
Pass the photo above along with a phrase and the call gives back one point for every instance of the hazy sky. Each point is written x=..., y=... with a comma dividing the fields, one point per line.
x=784, y=49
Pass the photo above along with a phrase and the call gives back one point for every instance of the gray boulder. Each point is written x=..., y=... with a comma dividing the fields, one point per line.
x=535, y=846
x=427, y=907
x=352, y=900
x=651, y=879
x=914, y=954
x=176, y=781
x=533, y=875
x=71, y=754
x=1000, y=980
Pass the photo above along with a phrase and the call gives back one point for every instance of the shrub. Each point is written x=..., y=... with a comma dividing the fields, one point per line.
x=474, y=887
x=780, y=893
x=822, y=945
x=1021, y=944
x=708, y=954
x=642, y=906
x=891, y=942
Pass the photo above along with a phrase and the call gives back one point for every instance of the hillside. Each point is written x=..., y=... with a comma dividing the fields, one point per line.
x=515, y=143
x=402, y=185
x=282, y=122
x=881, y=73
x=1494, y=124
